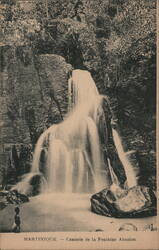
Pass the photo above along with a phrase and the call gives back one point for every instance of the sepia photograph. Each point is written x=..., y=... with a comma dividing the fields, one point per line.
x=78, y=115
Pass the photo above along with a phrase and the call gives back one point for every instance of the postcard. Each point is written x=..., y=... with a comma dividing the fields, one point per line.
x=78, y=133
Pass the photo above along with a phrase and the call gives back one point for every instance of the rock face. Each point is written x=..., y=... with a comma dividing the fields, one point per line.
x=12, y=197
x=53, y=70
x=139, y=201
x=32, y=94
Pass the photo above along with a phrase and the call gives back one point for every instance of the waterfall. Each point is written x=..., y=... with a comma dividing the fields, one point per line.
x=74, y=157
x=75, y=161
x=130, y=175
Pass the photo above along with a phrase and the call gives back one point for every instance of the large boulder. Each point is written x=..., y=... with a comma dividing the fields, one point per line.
x=138, y=201
x=11, y=197
x=31, y=184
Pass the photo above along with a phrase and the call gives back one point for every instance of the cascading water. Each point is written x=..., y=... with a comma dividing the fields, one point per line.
x=74, y=157
x=130, y=174
x=75, y=161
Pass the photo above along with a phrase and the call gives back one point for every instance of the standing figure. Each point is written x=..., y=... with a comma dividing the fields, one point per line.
x=16, y=224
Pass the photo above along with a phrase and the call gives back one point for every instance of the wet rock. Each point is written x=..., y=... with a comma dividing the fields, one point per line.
x=35, y=182
x=23, y=198
x=2, y=205
x=11, y=197
x=139, y=201
x=99, y=230
x=150, y=227
x=30, y=185
x=128, y=227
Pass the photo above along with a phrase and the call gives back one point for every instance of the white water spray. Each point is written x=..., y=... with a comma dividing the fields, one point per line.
x=74, y=156
x=130, y=175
